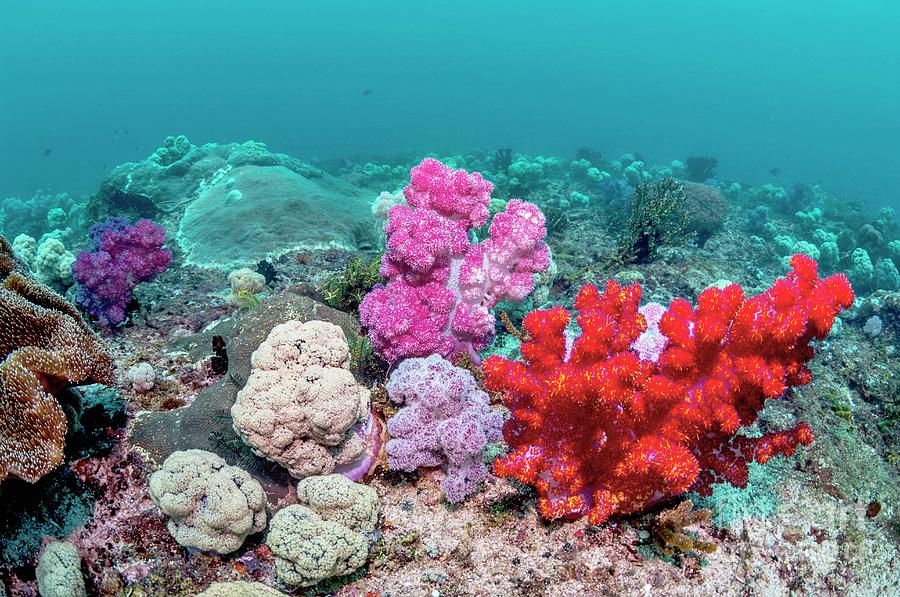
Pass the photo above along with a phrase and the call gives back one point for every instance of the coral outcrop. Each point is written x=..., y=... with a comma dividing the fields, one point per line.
x=600, y=431
x=206, y=423
x=45, y=346
x=445, y=420
x=259, y=212
x=441, y=287
x=211, y=506
x=178, y=170
x=327, y=535
x=301, y=406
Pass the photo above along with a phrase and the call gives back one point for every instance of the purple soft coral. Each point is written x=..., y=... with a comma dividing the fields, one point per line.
x=122, y=257
x=441, y=287
x=446, y=421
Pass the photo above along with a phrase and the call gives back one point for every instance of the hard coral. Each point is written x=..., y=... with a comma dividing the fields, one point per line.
x=327, y=535
x=441, y=287
x=445, y=421
x=121, y=257
x=301, y=406
x=211, y=506
x=45, y=346
x=600, y=431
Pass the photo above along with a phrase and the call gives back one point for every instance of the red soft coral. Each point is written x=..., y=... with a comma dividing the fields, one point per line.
x=599, y=431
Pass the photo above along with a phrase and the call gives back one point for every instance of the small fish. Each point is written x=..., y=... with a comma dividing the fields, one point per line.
x=775, y=172
x=126, y=132
x=48, y=151
x=367, y=92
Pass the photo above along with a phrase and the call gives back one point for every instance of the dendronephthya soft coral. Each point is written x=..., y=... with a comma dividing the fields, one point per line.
x=599, y=430
x=441, y=285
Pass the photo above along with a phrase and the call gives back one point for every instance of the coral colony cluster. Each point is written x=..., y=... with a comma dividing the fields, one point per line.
x=279, y=468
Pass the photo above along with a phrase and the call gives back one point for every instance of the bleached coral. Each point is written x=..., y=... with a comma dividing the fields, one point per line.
x=59, y=571
x=327, y=535
x=211, y=506
x=301, y=403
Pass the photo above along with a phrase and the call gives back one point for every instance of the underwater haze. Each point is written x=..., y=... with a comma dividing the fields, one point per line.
x=449, y=298
x=808, y=87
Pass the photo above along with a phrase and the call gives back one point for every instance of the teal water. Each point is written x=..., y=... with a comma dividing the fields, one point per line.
x=808, y=87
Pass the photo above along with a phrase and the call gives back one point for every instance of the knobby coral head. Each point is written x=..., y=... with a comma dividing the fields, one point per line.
x=599, y=430
x=441, y=286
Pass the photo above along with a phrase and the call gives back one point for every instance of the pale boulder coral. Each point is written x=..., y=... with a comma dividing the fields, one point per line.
x=211, y=506
x=246, y=280
x=59, y=571
x=24, y=247
x=53, y=264
x=301, y=406
x=327, y=535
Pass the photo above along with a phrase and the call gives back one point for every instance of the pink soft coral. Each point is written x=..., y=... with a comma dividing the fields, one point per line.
x=441, y=287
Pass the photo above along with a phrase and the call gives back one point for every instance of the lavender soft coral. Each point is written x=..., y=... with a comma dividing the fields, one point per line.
x=121, y=257
x=446, y=420
x=441, y=287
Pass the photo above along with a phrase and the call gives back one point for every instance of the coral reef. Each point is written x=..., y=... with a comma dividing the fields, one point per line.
x=301, y=406
x=211, y=506
x=176, y=172
x=706, y=208
x=657, y=429
x=441, y=288
x=121, y=257
x=445, y=420
x=701, y=168
x=327, y=535
x=45, y=346
x=206, y=423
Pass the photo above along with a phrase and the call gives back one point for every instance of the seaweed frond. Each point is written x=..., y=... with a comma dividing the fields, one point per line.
x=345, y=290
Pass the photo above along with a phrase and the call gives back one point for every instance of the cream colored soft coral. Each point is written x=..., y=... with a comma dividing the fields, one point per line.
x=211, y=505
x=301, y=403
x=328, y=534
x=59, y=571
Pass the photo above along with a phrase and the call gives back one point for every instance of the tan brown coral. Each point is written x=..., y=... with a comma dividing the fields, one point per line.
x=670, y=533
x=45, y=346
